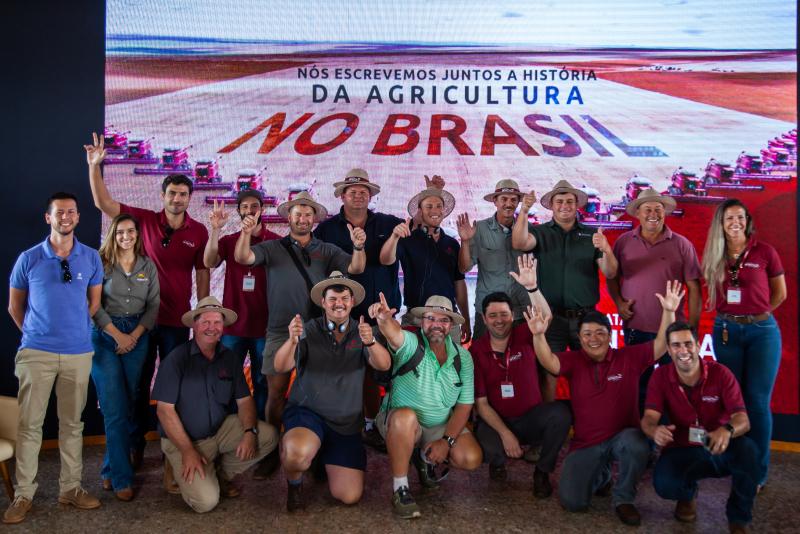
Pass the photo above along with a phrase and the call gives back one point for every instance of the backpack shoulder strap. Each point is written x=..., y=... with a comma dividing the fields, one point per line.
x=413, y=362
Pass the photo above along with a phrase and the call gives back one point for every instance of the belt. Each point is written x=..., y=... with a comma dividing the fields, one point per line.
x=744, y=319
x=571, y=313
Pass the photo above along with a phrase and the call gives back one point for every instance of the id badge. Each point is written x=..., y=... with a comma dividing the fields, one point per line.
x=734, y=296
x=507, y=390
x=249, y=283
x=697, y=435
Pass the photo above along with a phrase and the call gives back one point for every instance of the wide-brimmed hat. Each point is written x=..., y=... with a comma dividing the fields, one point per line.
x=651, y=195
x=561, y=187
x=504, y=187
x=209, y=304
x=437, y=304
x=448, y=200
x=355, y=177
x=303, y=198
x=337, y=279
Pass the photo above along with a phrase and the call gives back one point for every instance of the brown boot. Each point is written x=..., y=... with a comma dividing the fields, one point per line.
x=686, y=511
x=125, y=494
x=80, y=499
x=737, y=528
x=170, y=485
x=17, y=510
x=629, y=515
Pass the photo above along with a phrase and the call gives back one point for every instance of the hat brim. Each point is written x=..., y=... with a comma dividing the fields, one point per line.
x=491, y=196
x=419, y=311
x=668, y=202
x=547, y=199
x=228, y=316
x=374, y=189
x=320, y=213
x=319, y=289
x=448, y=200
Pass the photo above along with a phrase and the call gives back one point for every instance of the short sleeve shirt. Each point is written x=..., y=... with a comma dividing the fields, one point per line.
x=430, y=267
x=174, y=262
x=57, y=312
x=330, y=375
x=711, y=402
x=604, y=395
x=761, y=262
x=127, y=294
x=203, y=391
x=434, y=390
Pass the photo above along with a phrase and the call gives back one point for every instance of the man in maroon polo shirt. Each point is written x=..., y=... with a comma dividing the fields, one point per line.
x=175, y=243
x=507, y=394
x=604, y=387
x=705, y=437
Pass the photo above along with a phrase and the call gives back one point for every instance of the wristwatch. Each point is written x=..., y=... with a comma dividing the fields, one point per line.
x=450, y=441
x=729, y=428
x=254, y=430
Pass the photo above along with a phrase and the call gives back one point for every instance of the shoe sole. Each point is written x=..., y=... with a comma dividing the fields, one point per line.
x=16, y=521
x=78, y=506
x=412, y=515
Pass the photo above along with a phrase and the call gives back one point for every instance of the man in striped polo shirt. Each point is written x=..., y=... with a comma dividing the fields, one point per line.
x=423, y=417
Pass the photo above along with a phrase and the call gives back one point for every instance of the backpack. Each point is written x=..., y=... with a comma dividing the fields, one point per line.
x=385, y=378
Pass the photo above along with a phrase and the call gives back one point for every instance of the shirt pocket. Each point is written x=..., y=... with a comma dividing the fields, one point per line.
x=223, y=389
x=493, y=259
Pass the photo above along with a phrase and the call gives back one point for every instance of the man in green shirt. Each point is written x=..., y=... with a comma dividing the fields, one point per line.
x=423, y=417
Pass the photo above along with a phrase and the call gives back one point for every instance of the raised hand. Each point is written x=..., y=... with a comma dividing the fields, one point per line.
x=357, y=235
x=527, y=271
x=218, y=216
x=296, y=328
x=466, y=231
x=95, y=153
x=600, y=241
x=249, y=224
x=537, y=324
x=528, y=200
x=436, y=182
x=671, y=300
x=403, y=229
x=365, y=331
x=381, y=310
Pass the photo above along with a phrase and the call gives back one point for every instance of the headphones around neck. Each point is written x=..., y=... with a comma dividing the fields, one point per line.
x=429, y=231
x=331, y=326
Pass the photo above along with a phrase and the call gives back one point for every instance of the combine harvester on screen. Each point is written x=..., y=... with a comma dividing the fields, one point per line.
x=635, y=185
x=206, y=176
x=271, y=215
x=721, y=176
x=115, y=142
x=246, y=180
x=137, y=152
x=597, y=215
x=173, y=160
x=687, y=186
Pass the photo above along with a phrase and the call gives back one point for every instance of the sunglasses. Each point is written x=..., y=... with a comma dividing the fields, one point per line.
x=66, y=275
x=168, y=231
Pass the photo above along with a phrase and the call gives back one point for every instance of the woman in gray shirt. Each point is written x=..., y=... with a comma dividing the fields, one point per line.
x=128, y=312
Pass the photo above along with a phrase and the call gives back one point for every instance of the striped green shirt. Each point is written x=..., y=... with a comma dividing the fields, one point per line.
x=437, y=389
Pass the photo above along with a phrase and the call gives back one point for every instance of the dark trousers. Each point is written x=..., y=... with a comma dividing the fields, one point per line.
x=678, y=470
x=162, y=340
x=637, y=337
x=547, y=424
x=563, y=333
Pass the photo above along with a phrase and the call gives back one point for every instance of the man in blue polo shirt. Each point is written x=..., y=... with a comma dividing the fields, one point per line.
x=55, y=289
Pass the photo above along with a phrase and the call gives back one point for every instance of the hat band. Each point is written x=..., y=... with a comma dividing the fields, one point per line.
x=441, y=308
x=507, y=190
x=355, y=179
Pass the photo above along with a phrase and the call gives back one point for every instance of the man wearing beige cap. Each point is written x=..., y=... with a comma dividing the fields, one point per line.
x=569, y=255
x=488, y=243
x=293, y=265
x=195, y=389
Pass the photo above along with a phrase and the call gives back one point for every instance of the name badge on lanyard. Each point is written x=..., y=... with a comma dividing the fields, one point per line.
x=507, y=390
x=734, y=296
x=698, y=435
x=506, y=386
x=249, y=283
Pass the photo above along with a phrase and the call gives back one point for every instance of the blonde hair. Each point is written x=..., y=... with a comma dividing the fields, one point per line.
x=714, y=258
x=109, y=251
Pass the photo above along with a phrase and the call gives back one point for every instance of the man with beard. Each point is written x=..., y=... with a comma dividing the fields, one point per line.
x=423, y=417
x=428, y=256
x=55, y=290
x=508, y=399
x=323, y=415
x=705, y=437
x=569, y=255
x=196, y=387
x=293, y=265
x=175, y=243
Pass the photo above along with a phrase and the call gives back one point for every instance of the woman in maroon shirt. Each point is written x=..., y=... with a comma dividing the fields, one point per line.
x=745, y=284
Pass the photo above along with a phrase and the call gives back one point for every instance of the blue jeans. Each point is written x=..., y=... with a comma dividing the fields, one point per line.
x=255, y=347
x=116, y=379
x=637, y=337
x=753, y=354
x=162, y=340
x=679, y=468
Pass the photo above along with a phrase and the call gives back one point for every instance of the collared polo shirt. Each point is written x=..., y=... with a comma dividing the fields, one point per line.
x=761, y=262
x=711, y=402
x=287, y=292
x=435, y=389
x=491, y=250
x=605, y=395
x=126, y=294
x=430, y=267
x=645, y=269
x=174, y=262
x=251, y=306
x=521, y=370
x=567, y=268
x=203, y=391
x=376, y=278
x=330, y=375
x=57, y=315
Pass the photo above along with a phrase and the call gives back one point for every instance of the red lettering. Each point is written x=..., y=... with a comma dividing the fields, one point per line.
x=571, y=147
x=275, y=136
x=306, y=147
x=453, y=135
x=390, y=128
x=512, y=137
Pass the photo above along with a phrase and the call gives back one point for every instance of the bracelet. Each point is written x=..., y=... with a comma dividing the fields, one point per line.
x=534, y=290
x=371, y=343
x=358, y=248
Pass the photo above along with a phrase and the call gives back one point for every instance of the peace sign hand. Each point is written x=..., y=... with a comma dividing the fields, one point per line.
x=436, y=182
x=218, y=216
x=95, y=153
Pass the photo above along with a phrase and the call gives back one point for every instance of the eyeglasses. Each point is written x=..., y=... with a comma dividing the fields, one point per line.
x=443, y=320
x=66, y=276
x=168, y=231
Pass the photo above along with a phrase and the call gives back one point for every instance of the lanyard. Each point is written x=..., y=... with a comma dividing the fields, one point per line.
x=507, y=358
x=733, y=270
x=685, y=396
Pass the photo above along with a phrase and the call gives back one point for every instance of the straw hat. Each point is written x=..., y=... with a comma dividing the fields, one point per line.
x=448, y=200
x=504, y=187
x=356, y=177
x=437, y=304
x=651, y=195
x=561, y=187
x=303, y=198
x=209, y=304
x=337, y=279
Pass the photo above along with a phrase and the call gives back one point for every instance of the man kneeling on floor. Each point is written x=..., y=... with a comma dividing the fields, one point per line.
x=323, y=416
x=604, y=388
x=705, y=437
x=423, y=417
x=195, y=389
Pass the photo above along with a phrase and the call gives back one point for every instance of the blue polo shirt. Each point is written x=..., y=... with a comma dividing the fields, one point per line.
x=57, y=319
x=430, y=267
x=376, y=278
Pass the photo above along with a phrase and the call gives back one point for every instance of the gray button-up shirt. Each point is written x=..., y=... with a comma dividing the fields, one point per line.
x=130, y=294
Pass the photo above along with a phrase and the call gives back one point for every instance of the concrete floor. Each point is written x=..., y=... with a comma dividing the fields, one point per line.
x=467, y=502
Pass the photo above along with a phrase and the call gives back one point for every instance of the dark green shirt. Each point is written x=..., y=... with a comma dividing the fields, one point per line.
x=567, y=268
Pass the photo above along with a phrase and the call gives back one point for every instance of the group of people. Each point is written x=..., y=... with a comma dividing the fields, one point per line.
x=321, y=304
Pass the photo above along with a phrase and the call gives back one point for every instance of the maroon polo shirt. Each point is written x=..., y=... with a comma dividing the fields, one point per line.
x=173, y=262
x=250, y=305
x=490, y=372
x=760, y=263
x=711, y=401
x=605, y=395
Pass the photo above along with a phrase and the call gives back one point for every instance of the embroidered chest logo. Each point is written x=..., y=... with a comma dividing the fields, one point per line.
x=710, y=398
x=79, y=276
x=141, y=277
x=615, y=378
x=515, y=357
x=188, y=243
x=751, y=265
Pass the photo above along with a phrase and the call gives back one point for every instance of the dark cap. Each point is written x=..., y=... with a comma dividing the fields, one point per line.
x=251, y=193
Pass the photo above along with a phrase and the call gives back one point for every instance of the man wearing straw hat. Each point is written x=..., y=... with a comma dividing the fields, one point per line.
x=428, y=256
x=570, y=255
x=323, y=415
x=195, y=389
x=488, y=243
x=293, y=265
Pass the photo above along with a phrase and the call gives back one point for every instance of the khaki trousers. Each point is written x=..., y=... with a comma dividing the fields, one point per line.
x=202, y=495
x=37, y=371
